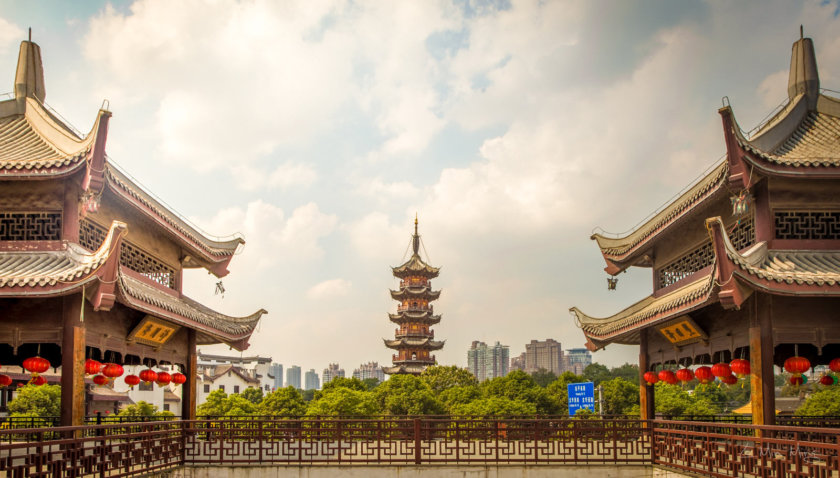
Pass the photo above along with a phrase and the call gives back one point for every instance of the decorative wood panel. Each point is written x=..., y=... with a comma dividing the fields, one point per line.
x=30, y=226
x=791, y=224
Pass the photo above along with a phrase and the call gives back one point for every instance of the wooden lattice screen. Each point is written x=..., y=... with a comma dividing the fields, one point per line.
x=807, y=224
x=30, y=226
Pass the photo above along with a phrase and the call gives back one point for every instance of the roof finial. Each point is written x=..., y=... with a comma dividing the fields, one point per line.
x=415, y=239
x=801, y=32
x=804, y=78
x=30, y=33
x=415, y=223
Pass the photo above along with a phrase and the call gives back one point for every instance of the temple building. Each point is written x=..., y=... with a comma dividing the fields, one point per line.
x=746, y=262
x=91, y=264
x=414, y=339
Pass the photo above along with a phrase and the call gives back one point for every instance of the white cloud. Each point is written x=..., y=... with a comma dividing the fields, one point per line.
x=329, y=289
x=286, y=175
x=10, y=35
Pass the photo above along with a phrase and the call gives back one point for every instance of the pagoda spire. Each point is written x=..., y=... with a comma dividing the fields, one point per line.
x=415, y=239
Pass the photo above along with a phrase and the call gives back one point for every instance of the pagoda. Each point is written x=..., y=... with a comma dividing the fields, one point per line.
x=414, y=339
x=91, y=264
x=746, y=262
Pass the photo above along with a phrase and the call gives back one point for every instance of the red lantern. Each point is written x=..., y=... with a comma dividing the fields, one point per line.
x=132, y=380
x=163, y=378
x=797, y=380
x=39, y=380
x=729, y=380
x=704, y=374
x=721, y=370
x=179, y=378
x=797, y=365
x=668, y=377
x=685, y=375
x=112, y=370
x=92, y=367
x=740, y=367
x=650, y=378
x=834, y=365
x=36, y=365
x=148, y=375
x=827, y=380
x=5, y=380
x=100, y=380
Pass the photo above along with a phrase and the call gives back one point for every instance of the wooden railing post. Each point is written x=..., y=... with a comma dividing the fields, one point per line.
x=417, y=430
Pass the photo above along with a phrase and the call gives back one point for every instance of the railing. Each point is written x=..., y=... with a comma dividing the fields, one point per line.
x=398, y=359
x=411, y=308
x=415, y=284
x=414, y=333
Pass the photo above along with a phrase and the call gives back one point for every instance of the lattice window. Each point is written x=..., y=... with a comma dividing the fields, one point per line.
x=743, y=235
x=30, y=226
x=807, y=224
x=91, y=236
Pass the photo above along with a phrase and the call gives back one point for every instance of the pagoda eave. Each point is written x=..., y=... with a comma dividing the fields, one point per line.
x=415, y=293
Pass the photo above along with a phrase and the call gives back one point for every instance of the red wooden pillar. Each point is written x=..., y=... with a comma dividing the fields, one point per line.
x=189, y=397
x=70, y=216
x=762, y=387
x=73, y=362
x=646, y=395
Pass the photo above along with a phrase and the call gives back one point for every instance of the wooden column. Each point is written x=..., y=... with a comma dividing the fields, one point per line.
x=764, y=223
x=646, y=396
x=70, y=215
x=188, y=400
x=73, y=363
x=762, y=387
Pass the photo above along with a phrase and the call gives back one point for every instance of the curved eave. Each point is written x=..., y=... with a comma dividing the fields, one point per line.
x=623, y=327
x=53, y=273
x=155, y=300
x=415, y=293
x=425, y=318
x=215, y=255
x=402, y=369
x=421, y=343
x=415, y=266
x=622, y=252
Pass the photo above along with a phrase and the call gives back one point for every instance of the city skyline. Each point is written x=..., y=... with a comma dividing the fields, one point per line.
x=455, y=118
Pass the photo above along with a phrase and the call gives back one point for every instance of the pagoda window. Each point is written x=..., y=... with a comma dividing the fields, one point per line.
x=30, y=226
x=807, y=225
x=414, y=356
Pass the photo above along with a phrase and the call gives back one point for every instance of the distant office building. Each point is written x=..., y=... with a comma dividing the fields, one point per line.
x=546, y=355
x=369, y=370
x=332, y=371
x=293, y=377
x=576, y=360
x=488, y=362
x=518, y=362
x=311, y=380
x=275, y=372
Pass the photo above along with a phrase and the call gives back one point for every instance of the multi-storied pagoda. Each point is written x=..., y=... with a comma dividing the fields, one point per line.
x=746, y=263
x=91, y=265
x=414, y=339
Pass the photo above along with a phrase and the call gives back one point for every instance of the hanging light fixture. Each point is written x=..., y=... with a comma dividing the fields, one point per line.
x=132, y=380
x=611, y=283
x=148, y=376
x=685, y=375
x=100, y=380
x=740, y=367
x=651, y=378
x=5, y=380
x=163, y=378
x=178, y=378
x=112, y=370
x=704, y=374
x=92, y=367
x=667, y=376
x=38, y=381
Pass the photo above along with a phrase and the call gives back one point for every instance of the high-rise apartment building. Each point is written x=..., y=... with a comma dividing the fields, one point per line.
x=311, y=380
x=518, y=362
x=488, y=362
x=369, y=370
x=275, y=372
x=332, y=371
x=546, y=355
x=576, y=360
x=293, y=377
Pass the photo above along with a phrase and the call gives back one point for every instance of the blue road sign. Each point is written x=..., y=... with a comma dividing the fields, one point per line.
x=581, y=395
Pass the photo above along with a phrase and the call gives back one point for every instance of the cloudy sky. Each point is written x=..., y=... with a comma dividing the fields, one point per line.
x=317, y=129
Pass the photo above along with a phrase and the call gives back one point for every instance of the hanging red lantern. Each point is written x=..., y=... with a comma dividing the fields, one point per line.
x=92, y=367
x=827, y=380
x=5, y=380
x=834, y=365
x=667, y=376
x=721, y=370
x=179, y=378
x=740, y=367
x=797, y=365
x=36, y=365
x=148, y=376
x=39, y=380
x=685, y=375
x=132, y=380
x=650, y=378
x=704, y=374
x=100, y=380
x=797, y=380
x=163, y=378
x=112, y=370
x=729, y=380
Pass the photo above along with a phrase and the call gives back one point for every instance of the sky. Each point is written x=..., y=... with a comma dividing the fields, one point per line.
x=318, y=129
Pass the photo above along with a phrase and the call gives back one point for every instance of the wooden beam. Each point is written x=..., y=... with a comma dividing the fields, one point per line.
x=646, y=395
x=762, y=387
x=72, y=362
x=188, y=402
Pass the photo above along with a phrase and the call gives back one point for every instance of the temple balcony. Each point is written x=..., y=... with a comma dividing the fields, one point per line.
x=416, y=308
x=424, y=283
x=419, y=360
x=414, y=333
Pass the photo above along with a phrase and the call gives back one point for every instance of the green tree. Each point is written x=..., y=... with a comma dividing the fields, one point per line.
x=459, y=395
x=494, y=406
x=218, y=403
x=283, y=402
x=518, y=385
x=345, y=402
x=596, y=373
x=628, y=371
x=371, y=383
x=407, y=395
x=141, y=409
x=253, y=395
x=214, y=405
x=344, y=382
x=43, y=401
x=673, y=401
x=440, y=378
x=559, y=391
x=543, y=377
x=822, y=403
x=620, y=397
x=308, y=395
